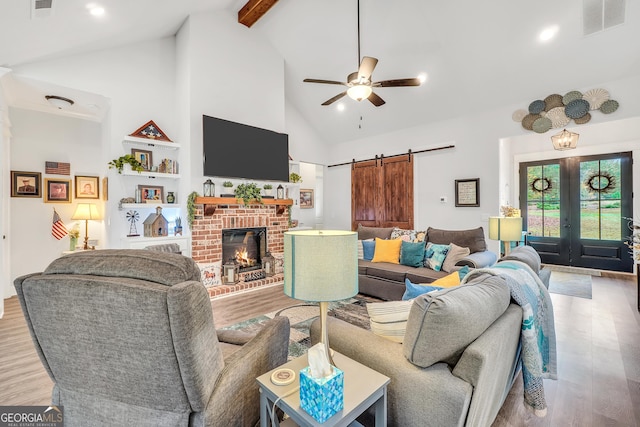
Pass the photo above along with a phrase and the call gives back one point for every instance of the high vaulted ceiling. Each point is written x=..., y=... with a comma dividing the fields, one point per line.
x=476, y=55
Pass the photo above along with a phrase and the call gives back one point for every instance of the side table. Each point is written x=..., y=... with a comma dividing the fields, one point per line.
x=363, y=388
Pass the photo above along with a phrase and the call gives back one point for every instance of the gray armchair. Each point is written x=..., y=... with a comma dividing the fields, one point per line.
x=128, y=338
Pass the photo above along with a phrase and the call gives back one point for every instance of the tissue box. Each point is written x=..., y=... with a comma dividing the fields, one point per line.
x=322, y=397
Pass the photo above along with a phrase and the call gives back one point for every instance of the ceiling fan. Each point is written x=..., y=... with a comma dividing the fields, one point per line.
x=359, y=83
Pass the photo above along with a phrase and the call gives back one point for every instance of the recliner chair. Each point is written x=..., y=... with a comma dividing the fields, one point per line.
x=128, y=338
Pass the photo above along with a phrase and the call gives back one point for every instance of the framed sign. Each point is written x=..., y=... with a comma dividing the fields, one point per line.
x=468, y=192
x=87, y=187
x=57, y=190
x=306, y=199
x=25, y=184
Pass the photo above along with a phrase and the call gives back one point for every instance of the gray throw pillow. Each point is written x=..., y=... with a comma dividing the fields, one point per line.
x=455, y=254
x=472, y=239
x=365, y=233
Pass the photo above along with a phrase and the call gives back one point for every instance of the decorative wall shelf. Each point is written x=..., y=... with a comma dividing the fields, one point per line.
x=150, y=205
x=145, y=174
x=146, y=142
x=211, y=203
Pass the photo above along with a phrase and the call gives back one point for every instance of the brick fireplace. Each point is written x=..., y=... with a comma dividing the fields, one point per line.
x=213, y=214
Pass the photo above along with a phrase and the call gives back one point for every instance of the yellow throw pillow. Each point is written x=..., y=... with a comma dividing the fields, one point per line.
x=448, y=281
x=387, y=251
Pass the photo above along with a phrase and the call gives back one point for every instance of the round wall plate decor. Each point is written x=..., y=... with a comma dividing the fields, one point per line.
x=542, y=125
x=518, y=115
x=584, y=119
x=571, y=96
x=609, y=106
x=576, y=108
x=595, y=97
x=558, y=117
x=553, y=101
x=527, y=122
x=536, y=106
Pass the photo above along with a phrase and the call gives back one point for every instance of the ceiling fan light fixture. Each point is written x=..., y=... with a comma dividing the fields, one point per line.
x=359, y=92
x=59, y=102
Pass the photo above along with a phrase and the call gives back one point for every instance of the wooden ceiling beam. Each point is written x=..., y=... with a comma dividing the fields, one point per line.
x=254, y=10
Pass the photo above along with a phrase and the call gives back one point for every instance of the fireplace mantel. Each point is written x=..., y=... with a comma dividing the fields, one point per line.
x=211, y=203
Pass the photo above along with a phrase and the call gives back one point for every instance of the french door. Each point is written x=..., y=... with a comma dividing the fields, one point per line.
x=575, y=210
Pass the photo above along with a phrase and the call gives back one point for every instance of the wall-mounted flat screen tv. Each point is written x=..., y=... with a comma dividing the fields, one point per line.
x=235, y=150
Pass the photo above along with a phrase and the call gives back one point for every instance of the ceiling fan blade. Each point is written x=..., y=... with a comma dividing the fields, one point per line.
x=334, y=99
x=366, y=67
x=326, y=82
x=398, y=83
x=375, y=99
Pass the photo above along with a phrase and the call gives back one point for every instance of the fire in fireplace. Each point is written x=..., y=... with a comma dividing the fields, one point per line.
x=246, y=245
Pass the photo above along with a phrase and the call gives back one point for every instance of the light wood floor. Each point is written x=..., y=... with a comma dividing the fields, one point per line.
x=598, y=356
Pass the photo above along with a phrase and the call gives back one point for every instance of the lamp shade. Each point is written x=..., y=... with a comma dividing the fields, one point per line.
x=86, y=211
x=320, y=265
x=508, y=229
x=565, y=140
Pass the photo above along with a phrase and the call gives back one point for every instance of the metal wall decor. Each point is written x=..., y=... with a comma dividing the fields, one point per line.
x=556, y=111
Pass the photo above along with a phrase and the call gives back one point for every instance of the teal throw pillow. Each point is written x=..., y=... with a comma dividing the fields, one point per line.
x=412, y=254
x=368, y=249
x=414, y=290
x=463, y=272
x=434, y=256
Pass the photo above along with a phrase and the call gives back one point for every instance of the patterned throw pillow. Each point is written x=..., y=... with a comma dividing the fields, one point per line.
x=408, y=235
x=435, y=255
x=389, y=319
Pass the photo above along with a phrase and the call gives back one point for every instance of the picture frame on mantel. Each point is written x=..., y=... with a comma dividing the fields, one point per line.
x=467, y=192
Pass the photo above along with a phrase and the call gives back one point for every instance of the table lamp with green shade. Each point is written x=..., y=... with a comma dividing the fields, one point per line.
x=321, y=266
x=86, y=212
x=505, y=229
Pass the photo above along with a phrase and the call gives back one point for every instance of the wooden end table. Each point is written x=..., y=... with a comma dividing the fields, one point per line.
x=363, y=388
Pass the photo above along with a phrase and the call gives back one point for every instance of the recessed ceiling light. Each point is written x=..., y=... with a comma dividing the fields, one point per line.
x=340, y=107
x=422, y=77
x=548, y=33
x=95, y=9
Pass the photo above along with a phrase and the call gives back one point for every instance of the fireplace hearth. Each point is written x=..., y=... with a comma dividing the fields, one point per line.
x=246, y=246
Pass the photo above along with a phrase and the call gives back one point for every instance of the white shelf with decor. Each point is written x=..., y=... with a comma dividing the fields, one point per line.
x=146, y=142
x=145, y=174
x=149, y=205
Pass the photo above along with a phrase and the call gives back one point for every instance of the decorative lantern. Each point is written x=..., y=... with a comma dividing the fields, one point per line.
x=269, y=264
x=230, y=272
x=280, y=192
x=209, y=188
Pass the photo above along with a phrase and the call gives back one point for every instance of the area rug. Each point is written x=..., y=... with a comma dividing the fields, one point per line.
x=301, y=316
x=571, y=284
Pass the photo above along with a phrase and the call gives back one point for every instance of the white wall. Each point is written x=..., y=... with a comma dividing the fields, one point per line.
x=476, y=155
x=39, y=137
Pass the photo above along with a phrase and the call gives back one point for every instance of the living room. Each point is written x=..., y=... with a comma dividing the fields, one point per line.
x=174, y=80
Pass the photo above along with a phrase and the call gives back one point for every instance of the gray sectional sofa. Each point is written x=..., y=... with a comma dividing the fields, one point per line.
x=387, y=281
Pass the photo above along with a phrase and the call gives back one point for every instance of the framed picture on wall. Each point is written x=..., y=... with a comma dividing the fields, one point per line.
x=25, y=184
x=306, y=199
x=151, y=193
x=57, y=190
x=468, y=192
x=87, y=187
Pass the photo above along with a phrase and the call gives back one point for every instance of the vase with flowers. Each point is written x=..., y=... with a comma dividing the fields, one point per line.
x=74, y=233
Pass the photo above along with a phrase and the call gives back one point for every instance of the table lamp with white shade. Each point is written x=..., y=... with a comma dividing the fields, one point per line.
x=506, y=229
x=86, y=212
x=321, y=266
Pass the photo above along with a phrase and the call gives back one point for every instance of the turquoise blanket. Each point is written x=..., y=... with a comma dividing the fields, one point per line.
x=538, y=337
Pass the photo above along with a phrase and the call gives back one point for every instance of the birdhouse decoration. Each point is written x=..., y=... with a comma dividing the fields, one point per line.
x=156, y=225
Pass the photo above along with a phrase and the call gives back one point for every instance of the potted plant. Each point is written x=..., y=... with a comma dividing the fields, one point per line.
x=248, y=193
x=294, y=177
x=268, y=189
x=191, y=207
x=177, y=230
x=228, y=186
x=127, y=159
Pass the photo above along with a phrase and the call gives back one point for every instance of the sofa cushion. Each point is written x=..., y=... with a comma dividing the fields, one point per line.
x=413, y=290
x=389, y=319
x=455, y=254
x=365, y=233
x=472, y=239
x=412, y=254
x=368, y=249
x=448, y=281
x=442, y=324
x=387, y=251
x=385, y=270
x=525, y=254
x=409, y=235
x=434, y=256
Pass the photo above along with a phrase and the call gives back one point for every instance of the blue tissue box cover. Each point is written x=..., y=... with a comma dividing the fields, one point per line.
x=322, y=397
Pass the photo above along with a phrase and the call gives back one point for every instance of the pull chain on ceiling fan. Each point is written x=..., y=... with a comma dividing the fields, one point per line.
x=359, y=83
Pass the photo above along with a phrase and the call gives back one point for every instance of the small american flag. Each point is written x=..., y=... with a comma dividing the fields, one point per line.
x=57, y=168
x=58, y=230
